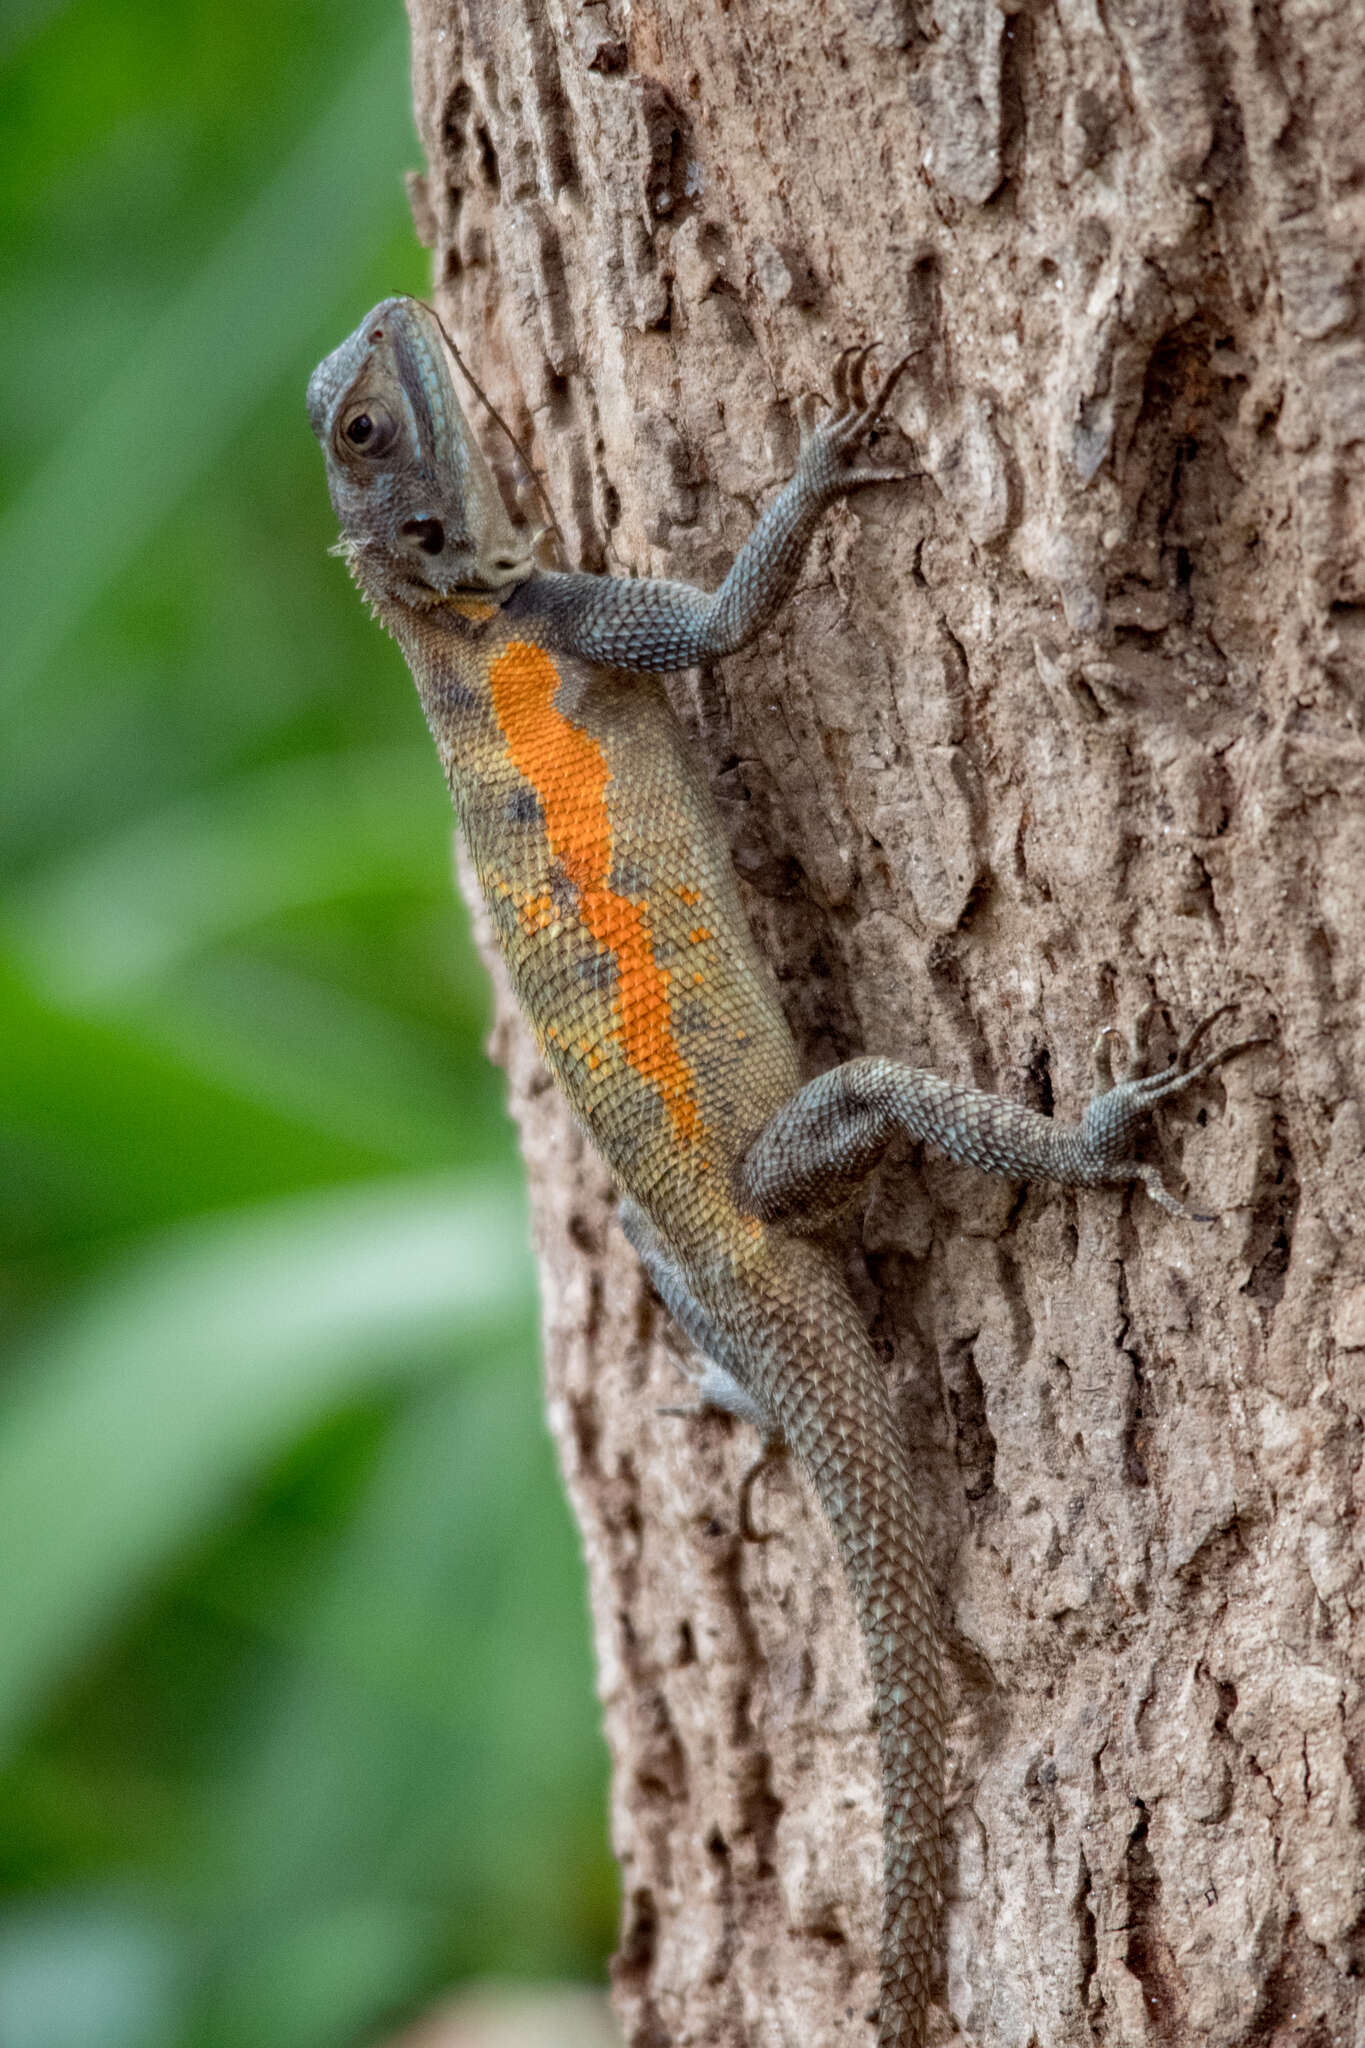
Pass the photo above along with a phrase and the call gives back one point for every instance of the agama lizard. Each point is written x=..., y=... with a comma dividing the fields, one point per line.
x=602, y=860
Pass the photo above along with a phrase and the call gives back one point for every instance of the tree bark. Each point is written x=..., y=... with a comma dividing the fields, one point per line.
x=1067, y=726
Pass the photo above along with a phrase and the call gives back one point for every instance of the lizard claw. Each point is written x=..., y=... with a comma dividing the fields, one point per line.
x=850, y=366
x=773, y=1447
x=850, y=372
x=1192, y=1038
x=1118, y=1108
x=807, y=415
x=1136, y=1036
x=841, y=362
x=855, y=413
x=1150, y=1177
x=769, y=1455
x=878, y=403
x=1149, y=1089
x=828, y=446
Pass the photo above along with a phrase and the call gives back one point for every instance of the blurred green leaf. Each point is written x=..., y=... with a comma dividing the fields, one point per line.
x=89, y=1974
x=322, y=1978
x=138, y=1416
x=196, y=371
x=119, y=913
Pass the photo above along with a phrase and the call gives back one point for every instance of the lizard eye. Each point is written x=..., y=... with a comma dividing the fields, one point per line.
x=369, y=428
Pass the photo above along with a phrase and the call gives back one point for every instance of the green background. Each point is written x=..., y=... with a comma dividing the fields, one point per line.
x=296, y=1716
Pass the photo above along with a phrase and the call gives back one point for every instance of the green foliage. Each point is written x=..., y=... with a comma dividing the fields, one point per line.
x=296, y=1722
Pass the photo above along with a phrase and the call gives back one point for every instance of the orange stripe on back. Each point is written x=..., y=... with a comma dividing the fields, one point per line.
x=568, y=771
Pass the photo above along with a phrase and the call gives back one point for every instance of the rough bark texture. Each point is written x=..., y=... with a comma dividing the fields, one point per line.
x=1068, y=725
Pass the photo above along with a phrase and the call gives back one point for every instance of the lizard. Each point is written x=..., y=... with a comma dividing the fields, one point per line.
x=600, y=854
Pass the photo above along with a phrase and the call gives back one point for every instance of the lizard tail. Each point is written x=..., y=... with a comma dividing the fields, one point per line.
x=821, y=1381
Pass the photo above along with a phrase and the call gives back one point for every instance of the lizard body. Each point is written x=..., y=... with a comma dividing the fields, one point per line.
x=601, y=857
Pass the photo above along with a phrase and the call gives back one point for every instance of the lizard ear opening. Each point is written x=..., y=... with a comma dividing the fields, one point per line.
x=428, y=533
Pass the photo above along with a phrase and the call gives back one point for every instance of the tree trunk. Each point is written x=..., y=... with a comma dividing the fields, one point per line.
x=1067, y=726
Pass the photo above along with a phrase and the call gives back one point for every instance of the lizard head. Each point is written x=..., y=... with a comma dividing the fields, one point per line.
x=421, y=515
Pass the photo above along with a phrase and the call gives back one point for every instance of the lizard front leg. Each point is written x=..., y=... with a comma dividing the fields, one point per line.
x=818, y=1150
x=655, y=626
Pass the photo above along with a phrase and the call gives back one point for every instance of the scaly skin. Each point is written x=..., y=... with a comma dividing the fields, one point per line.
x=603, y=863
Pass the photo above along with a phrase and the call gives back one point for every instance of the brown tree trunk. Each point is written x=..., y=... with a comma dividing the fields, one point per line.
x=1069, y=725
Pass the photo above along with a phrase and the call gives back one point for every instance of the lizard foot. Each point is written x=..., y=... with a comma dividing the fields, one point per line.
x=1119, y=1106
x=773, y=1449
x=720, y=1394
x=827, y=445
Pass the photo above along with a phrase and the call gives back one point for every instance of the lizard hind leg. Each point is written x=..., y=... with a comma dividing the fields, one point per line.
x=813, y=1158
x=717, y=1387
x=718, y=1384
x=815, y=1153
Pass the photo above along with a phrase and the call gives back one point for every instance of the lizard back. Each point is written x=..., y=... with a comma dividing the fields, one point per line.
x=601, y=858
